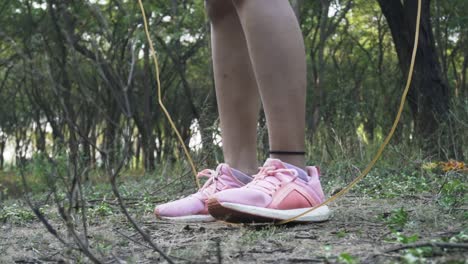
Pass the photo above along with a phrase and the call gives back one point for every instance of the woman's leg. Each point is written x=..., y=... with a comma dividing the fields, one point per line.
x=236, y=87
x=277, y=52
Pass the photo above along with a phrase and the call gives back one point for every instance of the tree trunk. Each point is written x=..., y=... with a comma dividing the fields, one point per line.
x=428, y=98
x=463, y=91
x=2, y=150
x=137, y=152
x=147, y=125
x=40, y=134
x=317, y=58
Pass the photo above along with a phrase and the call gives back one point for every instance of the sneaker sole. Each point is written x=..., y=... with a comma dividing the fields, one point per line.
x=188, y=218
x=239, y=213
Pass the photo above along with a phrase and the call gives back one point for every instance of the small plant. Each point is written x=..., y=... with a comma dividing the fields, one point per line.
x=146, y=203
x=461, y=237
x=403, y=239
x=102, y=209
x=16, y=214
x=347, y=258
x=397, y=219
x=418, y=255
x=342, y=233
x=452, y=193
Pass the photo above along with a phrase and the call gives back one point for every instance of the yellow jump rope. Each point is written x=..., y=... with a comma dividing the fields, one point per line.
x=355, y=181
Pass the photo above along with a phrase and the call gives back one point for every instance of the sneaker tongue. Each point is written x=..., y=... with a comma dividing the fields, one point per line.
x=225, y=169
x=225, y=172
x=275, y=163
x=301, y=173
x=283, y=165
x=278, y=164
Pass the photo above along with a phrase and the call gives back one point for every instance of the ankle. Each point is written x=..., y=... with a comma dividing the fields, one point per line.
x=248, y=169
x=296, y=160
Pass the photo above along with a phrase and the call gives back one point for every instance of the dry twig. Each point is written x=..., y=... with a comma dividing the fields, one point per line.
x=430, y=244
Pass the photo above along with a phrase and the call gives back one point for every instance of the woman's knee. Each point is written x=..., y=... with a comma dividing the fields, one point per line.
x=218, y=9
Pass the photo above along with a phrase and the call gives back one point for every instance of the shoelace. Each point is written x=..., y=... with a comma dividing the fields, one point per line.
x=213, y=180
x=262, y=182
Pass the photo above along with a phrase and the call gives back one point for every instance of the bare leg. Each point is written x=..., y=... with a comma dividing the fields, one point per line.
x=277, y=52
x=236, y=87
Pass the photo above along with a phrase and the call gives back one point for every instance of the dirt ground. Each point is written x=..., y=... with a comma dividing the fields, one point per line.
x=357, y=233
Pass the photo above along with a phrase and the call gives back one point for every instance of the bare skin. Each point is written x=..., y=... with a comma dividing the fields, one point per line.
x=236, y=88
x=258, y=49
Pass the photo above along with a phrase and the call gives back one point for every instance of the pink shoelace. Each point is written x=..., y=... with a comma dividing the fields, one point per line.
x=270, y=179
x=213, y=184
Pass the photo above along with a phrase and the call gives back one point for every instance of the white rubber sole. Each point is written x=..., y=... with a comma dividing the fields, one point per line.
x=320, y=214
x=190, y=218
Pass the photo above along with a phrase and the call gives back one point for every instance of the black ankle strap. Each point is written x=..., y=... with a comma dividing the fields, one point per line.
x=281, y=152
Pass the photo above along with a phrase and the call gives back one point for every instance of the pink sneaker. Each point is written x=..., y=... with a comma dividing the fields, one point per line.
x=194, y=207
x=278, y=192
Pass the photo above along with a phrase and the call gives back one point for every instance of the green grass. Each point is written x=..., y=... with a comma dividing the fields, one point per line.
x=397, y=219
x=402, y=172
x=251, y=236
x=347, y=258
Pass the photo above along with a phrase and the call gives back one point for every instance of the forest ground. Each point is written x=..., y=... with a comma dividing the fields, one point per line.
x=365, y=228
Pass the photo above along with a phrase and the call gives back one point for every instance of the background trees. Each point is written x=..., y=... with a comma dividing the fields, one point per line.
x=429, y=98
x=72, y=71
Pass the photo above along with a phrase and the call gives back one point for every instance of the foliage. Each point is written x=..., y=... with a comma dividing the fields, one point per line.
x=102, y=209
x=347, y=258
x=453, y=193
x=397, y=219
x=16, y=213
x=93, y=58
x=453, y=165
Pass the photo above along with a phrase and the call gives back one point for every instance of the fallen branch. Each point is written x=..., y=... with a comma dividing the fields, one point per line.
x=429, y=244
